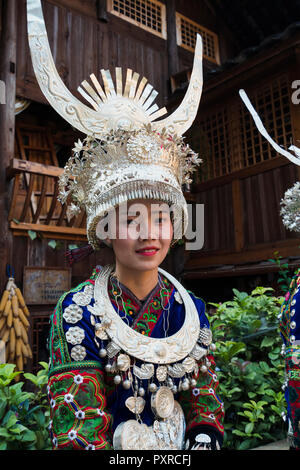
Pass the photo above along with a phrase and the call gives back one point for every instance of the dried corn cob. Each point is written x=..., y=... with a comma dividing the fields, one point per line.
x=4, y=300
x=9, y=319
x=24, y=334
x=20, y=297
x=23, y=318
x=2, y=323
x=7, y=308
x=5, y=336
x=14, y=324
x=12, y=340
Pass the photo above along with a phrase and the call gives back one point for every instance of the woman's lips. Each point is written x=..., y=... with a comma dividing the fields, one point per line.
x=149, y=251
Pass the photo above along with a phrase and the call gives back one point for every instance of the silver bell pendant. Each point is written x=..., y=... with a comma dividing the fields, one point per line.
x=193, y=382
x=127, y=384
x=185, y=385
x=117, y=379
x=152, y=387
x=102, y=352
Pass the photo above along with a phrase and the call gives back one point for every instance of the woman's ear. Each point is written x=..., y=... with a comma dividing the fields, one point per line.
x=107, y=242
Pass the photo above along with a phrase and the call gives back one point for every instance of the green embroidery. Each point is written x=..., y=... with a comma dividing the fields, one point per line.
x=294, y=374
x=75, y=365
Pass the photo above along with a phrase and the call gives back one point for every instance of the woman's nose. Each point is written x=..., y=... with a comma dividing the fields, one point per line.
x=148, y=230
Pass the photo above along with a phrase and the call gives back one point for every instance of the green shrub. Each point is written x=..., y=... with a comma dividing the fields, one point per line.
x=24, y=416
x=251, y=368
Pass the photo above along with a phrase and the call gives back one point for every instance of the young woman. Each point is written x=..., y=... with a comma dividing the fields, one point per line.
x=103, y=393
x=130, y=348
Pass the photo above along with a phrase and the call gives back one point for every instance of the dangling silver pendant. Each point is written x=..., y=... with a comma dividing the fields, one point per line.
x=162, y=402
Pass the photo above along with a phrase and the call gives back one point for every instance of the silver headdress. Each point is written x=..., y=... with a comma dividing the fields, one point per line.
x=127, y=154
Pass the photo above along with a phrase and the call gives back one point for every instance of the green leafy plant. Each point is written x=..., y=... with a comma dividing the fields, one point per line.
x=24, y=416
x=285, y=274
x=251, y=369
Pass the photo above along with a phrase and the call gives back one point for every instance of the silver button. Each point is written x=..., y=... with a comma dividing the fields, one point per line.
x=293, y=302
x=293, y=325
x=293, y=312
x=292, y=339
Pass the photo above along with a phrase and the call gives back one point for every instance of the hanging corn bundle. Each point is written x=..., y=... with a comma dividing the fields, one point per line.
x=14, y=325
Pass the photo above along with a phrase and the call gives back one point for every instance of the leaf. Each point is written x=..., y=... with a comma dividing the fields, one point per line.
x=249, y=428
x=29, y=436
x=52, y=244
x=32, y=234
x=267, y=342
x=10, y=419
x=238, y=433
x=246, y=444
x=264, y=366
x=261, y=290
x=72, y=247
x=30, y=377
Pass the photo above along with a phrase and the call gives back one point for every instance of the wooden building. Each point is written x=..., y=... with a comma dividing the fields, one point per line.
x=241, y=180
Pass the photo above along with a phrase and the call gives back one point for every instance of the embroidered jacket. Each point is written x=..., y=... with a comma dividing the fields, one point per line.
x=290, y=333
x=86, y=406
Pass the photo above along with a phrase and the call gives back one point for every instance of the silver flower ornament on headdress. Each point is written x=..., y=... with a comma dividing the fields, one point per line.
x=126, y=154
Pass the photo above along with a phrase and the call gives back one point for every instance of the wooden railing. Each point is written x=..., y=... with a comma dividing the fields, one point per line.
x=34, y=205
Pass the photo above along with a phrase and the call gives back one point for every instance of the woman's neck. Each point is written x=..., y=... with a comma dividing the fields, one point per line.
x=140, y=283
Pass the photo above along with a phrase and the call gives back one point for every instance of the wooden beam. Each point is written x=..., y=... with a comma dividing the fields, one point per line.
x=255, y=253
x=247, y=270
x=53, y=236
x=50, y=229
x=7, y=127
x=173, y=60
x=259, y=168
x=17, y=166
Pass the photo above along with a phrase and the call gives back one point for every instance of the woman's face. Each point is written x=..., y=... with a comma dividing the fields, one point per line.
x=143, y=234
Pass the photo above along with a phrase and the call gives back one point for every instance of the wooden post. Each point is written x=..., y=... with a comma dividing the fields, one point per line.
x=173, y=59
x=237, y=215
x=102, y=10
x=7, y=126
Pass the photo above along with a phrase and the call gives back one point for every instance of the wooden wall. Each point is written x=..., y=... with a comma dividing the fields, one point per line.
x=81, y=45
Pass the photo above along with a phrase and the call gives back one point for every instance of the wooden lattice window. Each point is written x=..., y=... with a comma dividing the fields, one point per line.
x=227, y=139
x=212, y=141
x=147, y=14
x=187, y=33
x=272, y=103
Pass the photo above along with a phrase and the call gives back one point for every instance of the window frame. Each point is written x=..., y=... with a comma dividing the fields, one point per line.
x=162, y=34
x=215, y=37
